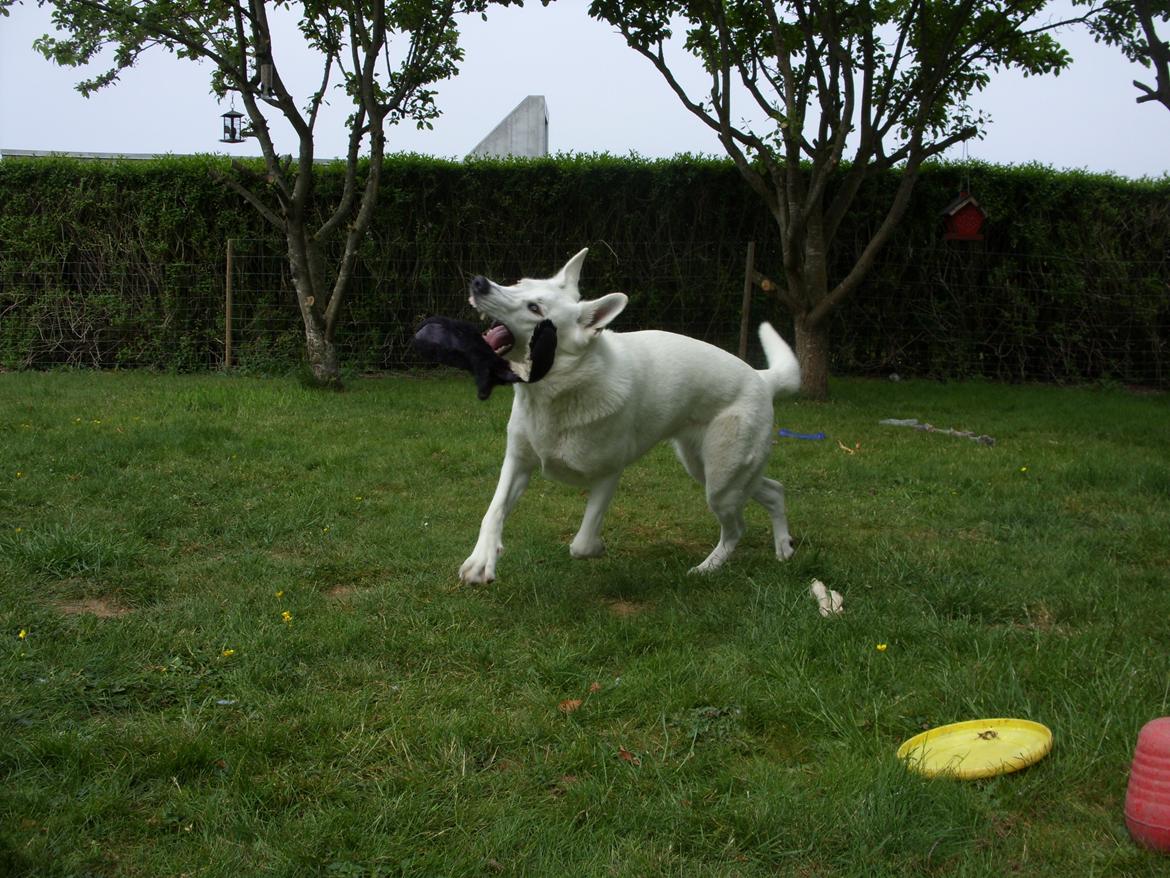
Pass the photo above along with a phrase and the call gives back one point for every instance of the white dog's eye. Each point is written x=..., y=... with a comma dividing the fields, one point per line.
x=534, y=308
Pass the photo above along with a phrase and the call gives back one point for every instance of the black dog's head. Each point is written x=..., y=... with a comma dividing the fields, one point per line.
x=460, y=344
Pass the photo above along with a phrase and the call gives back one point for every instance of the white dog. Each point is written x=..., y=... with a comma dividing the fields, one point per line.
x=607, y=398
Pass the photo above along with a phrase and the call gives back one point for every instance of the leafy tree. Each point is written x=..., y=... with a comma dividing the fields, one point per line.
x=846, y=90
x=384, y=56
x=1133, y=26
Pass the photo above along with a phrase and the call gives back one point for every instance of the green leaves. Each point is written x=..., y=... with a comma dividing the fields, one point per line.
x=892, y=77
x=797, y=90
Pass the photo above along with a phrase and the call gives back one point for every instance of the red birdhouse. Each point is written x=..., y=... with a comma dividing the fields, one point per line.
x=964, y=218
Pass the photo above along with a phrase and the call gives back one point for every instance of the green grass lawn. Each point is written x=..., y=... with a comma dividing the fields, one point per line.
x=163, y=716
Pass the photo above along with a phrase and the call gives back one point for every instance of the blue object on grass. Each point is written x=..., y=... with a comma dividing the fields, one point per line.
x=788, y=434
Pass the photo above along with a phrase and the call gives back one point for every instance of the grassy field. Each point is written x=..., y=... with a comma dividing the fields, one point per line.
x=232, y=640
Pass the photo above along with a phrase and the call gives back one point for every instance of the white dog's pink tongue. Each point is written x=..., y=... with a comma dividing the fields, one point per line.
x=498, y=337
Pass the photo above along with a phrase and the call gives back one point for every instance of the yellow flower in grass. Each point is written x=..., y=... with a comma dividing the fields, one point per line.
x=279, y=595
x=882, y=647
x=23, y=634
x=228, y=653
x=19, y=474
x=286, y=616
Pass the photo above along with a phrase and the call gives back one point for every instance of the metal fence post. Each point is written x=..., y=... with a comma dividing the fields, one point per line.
x=745, y=311
x=227, y=306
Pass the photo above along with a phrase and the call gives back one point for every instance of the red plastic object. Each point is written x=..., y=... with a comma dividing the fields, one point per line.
x=1147, y=799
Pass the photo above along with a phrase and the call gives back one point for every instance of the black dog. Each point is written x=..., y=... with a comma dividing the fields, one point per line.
x=459, y=343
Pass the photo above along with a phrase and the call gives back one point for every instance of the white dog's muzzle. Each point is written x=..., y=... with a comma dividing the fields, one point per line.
x=542, y=346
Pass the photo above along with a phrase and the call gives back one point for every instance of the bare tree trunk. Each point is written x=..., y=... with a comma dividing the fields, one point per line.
x=812, y=352
x=312, y=297
x=322, y=353
x=807, y=275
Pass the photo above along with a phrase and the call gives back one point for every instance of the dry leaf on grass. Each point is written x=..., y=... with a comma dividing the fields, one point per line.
x=629, y=757
x=569, y=705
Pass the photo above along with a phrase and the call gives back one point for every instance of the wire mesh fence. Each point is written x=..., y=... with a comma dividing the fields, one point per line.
x=698, y=292
x=954, y=312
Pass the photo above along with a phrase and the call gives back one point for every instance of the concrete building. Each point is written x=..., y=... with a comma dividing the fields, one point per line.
x=524, y=132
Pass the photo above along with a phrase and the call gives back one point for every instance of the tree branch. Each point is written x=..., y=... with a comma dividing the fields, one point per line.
x=1159, y=54
x=658, y=59
x=865, y=261
x=247, y=194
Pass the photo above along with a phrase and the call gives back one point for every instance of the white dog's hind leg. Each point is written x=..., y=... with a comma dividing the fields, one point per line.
x=727, y=491
x=770, y=495
x=731, y=529
x=480, y=565
x=588, y=543
x=731, y=526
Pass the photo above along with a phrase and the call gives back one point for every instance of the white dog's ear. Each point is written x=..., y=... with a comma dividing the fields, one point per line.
x=599, y=313
x=570, y=274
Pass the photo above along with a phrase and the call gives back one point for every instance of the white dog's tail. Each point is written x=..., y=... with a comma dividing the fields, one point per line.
x=783, y=372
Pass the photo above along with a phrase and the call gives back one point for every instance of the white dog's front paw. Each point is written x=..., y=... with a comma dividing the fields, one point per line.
x=480, y=566
x=581, y=548
x=785, y=549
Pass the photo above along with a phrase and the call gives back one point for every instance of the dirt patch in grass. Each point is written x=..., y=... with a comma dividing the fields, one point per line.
x=975, y=535
x=340, y=592
x=102, y=607
x=558, y=789
x=624, y=609
x=1037, y=617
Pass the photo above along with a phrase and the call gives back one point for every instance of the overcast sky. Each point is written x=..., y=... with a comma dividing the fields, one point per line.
x=602, y=97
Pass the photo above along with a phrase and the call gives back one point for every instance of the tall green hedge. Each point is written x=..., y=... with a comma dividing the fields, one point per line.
x=123, y=263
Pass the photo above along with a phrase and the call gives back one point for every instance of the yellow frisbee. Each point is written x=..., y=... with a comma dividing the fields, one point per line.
x=977, y=748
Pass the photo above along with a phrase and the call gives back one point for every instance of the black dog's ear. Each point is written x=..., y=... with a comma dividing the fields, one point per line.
x=542, y=349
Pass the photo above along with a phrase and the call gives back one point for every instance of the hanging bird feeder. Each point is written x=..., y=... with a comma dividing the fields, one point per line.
x=232, y=129
x=266, y=88
x=964, y=218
